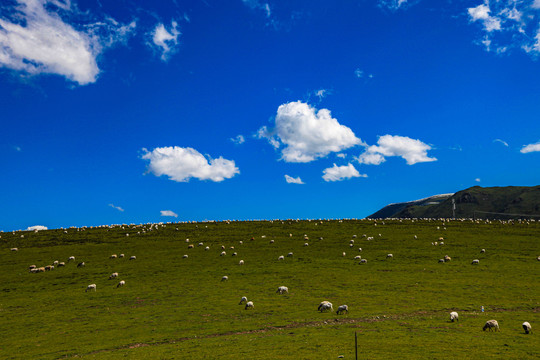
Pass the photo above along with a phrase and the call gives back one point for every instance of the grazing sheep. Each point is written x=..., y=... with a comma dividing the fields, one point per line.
x=121, y=255
x=491, y=325
x=14, y=249
x=71, y=258
x=290, y=254
x=306, y=244
x=341, y=309
x=61, y=264
x=344, y=254
x=441, y=260
x=91, y=287
x=447, y=258
x=282, y=290
x=475, y=262
x=325, y=306
x=225, y=278
x=49, y=267
x=249, y=305
x=357, y=257
x=34, y=270
x=113, y=275
x=113, y=256
x=351, y=242
x=222, y=247
x=281, y=257
x=359, y=249
x=190, y=246
x=223, y=253
x=271, y=241
x=32, y=267
x=390, y=256
x=121, y=283
x=240, y=242
x=132, y=257
x=81, y=264
x=454, y=316
x=351, y=245
x=184, y=257
x=41, y=269
x=526, y=327
x=200, y=244
x=207, y=248
x=243, y=300
x=482, y=251
x=234, y=253
x=363, y=261
x=55, y=262
x=241, y=262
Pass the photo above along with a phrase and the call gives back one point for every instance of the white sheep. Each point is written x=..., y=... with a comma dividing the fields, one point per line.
x=306, y=244
x=441, y=260
x=475, y=262
x=223, y=253
x=363, y=261
x=325, y=306
x=243, y=300
x=91, y=287
x=190, y=246
x=61, y=264
x=121, y=283
x=113, y=275
x=526, y=327
x=344, y=254
x=290, y=254
x=121, y=255
x=282, y=290
x=281, y=257
x=113, y=256
x=207, y=248
x=271, y=241
x=491, y=325
x=454, y=316
x=81, y=264
x=249, y=305
x=241, y=262
x=482, y=251
x=341, y=309
x=389, y=256
x=357, y=257
x=14, y=249
x=71, y=258
x=225, y=278
x=359, y=249
x=447, y=258
x=184, y=256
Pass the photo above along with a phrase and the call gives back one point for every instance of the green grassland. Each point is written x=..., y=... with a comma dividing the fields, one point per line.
x=178, y=308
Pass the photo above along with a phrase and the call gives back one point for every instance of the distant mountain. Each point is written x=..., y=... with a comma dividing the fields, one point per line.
x=492, y=202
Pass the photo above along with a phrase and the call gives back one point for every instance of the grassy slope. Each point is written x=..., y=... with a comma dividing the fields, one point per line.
x=175, y=308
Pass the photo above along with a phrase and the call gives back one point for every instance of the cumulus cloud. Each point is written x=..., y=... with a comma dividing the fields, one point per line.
x=530, y=148
x=181, y=164
x=260, y=5
x=116, y=207
x=482, y=13
x=501, y=141
x=307, y=133
x=291, y=180
x=36, y=227
x=169, y=213
x=477, y=180
x=34, y=39
x=339, y=173
x=413, y=151
x=239, y=139
x=166, y=40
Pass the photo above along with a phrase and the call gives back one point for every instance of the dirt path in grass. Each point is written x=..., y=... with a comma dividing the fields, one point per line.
x=293, y=325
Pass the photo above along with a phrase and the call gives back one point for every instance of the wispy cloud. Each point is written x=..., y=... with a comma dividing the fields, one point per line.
x=116, y=207
x=307, y=133
x=477, y=180
x=36, y=227
x=17, y=148
x=530, y=148
x=340, y=173
x=501, y=141
x=393, y=4
x=182, y=164
x=239, y=139
x=259, y=5
x=291, y=180
x=164, y=40
x=35, y=39
x=413, y=151
x=169, y=213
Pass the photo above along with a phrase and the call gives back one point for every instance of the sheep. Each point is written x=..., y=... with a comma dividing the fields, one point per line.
x=271, y=241
x=32, y=267
x=133, y=257
x=61, y=264
x=526, y=327
x=121, y=255
x=207, y=248
x=341, y=309
x=14, y=249
x=482, y=251
x=351, y=242
x=441, y=260
x=447, y=258
x=290, y=254
x=113, y=275
x=491, y=325
x=49, y=267
x=357, y=257
x=325, y=305
x=184, y=256
x=81, y=264
x=113, y=256
x=190, y=246
x=363, y=261
x=34, y=270
x=243, y=300
x=241, y=262
x=223, y=253
x=41, y=269
x=71, y=258
x=249, y=305
x=225, y=278
x=282, y=290
x=359, y=249
x=91, y=287
x=240, y=242
x=351, y=245
x=475, y=262
x=121, y=283
x=200, y=244
x=454, y=316
x=55, y=262
x=281, y=257
x=390, y=256
x=222, y=247
x=344, y=254
x=306, y=244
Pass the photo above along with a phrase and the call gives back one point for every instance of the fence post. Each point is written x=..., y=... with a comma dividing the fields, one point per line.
x=355, y=346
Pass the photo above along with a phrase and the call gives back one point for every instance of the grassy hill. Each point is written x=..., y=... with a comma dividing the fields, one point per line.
x=178, y=308
x=476, y=202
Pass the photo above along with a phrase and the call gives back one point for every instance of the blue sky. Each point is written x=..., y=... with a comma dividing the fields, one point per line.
x=135, y=111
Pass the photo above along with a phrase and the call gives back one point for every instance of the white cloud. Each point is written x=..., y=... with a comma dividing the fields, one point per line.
x=36, y=40
x=260, y=5
x=166, y=40
x=481, y=13
x=413, y=151
x=306, y=133
x=341, y=155
x=321, y=93
x=291, y=180
x=17, y=148
x=477, y=180
x=392, y=4
x=36, y=227
x=501, y=141
x=169, y=213
x=239, y=139
x=116, y=207
x=181, y=164
x=530, y=148
x=359, y=73
x=536, y=4
x=339, y=173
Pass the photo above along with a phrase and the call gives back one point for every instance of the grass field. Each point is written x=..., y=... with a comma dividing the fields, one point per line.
x=178, y=308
